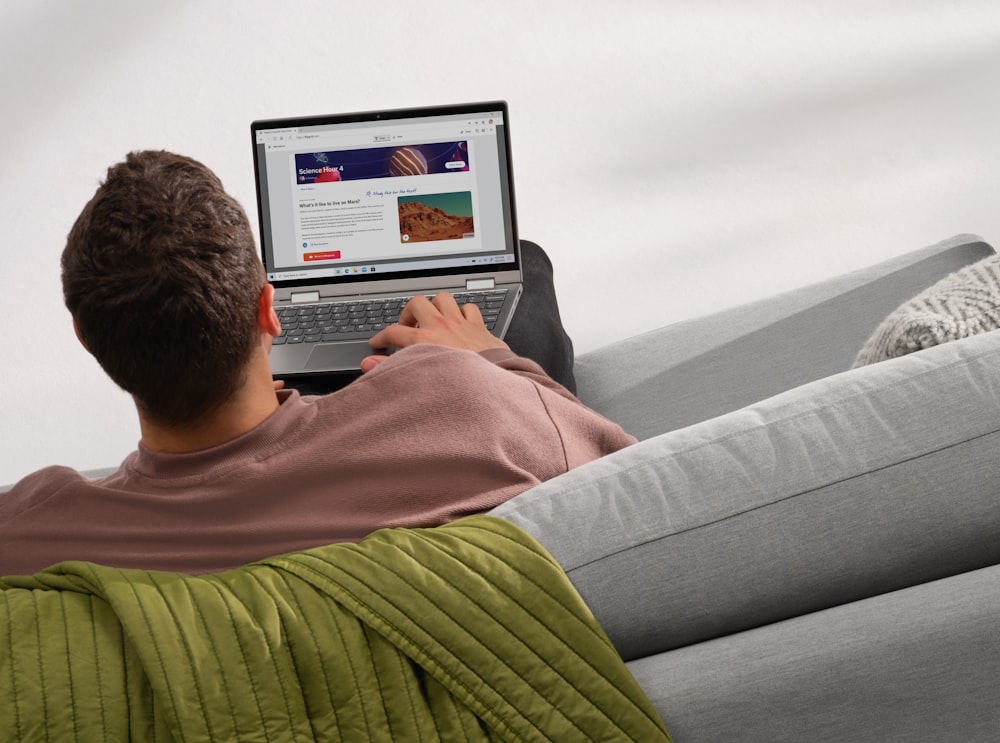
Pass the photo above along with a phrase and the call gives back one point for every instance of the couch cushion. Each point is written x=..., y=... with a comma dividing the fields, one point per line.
x=965, y=303
x=865, y=482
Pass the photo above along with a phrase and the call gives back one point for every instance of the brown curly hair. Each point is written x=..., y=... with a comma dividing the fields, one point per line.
x=162, y=278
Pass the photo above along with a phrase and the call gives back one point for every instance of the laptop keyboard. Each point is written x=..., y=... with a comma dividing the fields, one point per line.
x=358, y=319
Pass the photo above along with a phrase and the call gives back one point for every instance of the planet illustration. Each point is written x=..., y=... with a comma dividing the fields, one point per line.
x=328, y=175
x=407, y=161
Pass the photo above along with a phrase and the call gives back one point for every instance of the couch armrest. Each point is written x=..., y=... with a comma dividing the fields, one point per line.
x=698, y=369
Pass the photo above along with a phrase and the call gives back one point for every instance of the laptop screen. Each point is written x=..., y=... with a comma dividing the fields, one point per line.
x=389, y=194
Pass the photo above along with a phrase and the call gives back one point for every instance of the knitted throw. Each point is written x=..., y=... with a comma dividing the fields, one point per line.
x=964, y=303
x=468, y=632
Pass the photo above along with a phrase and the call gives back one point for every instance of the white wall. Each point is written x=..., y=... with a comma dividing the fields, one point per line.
x=676, y=156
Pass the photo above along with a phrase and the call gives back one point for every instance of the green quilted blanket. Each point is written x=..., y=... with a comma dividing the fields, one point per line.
x=466, y=632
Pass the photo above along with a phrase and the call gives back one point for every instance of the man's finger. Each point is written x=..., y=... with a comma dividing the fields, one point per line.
x=370, y=362
x=400, y=336
x=471, y=312
x=418, y=307
x=422, y=310
x=447, y=306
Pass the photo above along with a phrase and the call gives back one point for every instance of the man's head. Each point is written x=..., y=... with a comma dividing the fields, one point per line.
x=163, y=281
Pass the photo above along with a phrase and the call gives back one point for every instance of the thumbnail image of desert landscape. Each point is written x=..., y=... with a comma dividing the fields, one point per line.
x=443, y=216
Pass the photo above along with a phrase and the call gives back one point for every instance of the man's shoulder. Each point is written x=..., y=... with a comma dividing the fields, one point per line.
x=39, y=486
x=53, y=474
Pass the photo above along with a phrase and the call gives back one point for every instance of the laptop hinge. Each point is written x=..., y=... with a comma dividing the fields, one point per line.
x=299, y=297
x=472, y=285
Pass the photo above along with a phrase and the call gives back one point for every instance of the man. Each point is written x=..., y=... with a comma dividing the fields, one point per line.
x=165, y=288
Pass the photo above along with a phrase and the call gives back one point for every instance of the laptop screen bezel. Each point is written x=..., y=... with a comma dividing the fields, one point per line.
x=473, y=110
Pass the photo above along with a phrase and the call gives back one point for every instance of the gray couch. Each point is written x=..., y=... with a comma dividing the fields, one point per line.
x=795, y=551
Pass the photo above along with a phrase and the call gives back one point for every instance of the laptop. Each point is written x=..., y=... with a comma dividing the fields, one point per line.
x=360, y=212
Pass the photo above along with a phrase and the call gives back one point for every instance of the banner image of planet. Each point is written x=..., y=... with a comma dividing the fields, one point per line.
x=381, y=162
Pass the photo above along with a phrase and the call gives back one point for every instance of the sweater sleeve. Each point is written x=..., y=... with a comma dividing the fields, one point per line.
x=526, y=368
x=586, y=435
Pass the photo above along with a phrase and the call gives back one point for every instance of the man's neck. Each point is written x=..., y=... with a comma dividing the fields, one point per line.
x=250, y=406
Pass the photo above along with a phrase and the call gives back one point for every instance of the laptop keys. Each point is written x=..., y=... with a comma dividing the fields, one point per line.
x=361, y=319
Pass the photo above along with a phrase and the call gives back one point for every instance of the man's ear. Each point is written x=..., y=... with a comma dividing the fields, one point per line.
x=76, y=329
x=267, y=318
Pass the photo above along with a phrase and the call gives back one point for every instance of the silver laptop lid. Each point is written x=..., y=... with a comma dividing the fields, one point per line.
x=405, y=200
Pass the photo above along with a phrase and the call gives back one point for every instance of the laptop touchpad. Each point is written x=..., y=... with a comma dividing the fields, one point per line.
x=338, y=356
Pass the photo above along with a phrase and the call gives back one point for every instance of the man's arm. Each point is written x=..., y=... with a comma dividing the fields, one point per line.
x=442, y=322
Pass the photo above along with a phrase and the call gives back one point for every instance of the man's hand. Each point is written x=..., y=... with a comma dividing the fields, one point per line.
x=440, y=321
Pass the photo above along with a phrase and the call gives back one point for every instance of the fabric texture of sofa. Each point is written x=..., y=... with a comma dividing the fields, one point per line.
x=796, y=550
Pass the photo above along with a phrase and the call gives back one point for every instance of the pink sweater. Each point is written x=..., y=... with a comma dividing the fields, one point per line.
x=430, y=435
